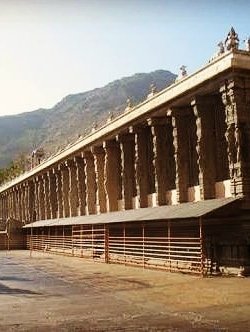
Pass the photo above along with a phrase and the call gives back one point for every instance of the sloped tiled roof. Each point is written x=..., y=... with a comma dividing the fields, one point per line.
x=166, y=212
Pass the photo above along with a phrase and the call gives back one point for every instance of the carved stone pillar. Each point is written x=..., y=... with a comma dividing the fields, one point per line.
x=204, y=113
x=37, y=202
x=52, y=194
x=59, y=195
x=9, y=203
x=19, y=202
x=90, y=182
x=12, y=213
x=101, y=198
x=65, y=189
x=31, y=201
x=46, y=196
x=22, y=191
x=81, y=184
x=25, y=202
x=15, y=202
x=163, y=157
x=12, y=203
x=113, y=174
x=184, y=135
x=1, y=206
x=41, y=197
x=127, y=142
x=145, y=171
x=73, y=191
x=5, y=206
x=236, y=100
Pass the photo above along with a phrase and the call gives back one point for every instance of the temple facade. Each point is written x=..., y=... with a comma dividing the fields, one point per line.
x=166, y=184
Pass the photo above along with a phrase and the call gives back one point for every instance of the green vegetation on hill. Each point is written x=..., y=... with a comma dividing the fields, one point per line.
x=73, y=115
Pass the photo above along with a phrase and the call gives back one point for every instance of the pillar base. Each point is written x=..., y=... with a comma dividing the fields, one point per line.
x=135, y=202
x=152, y=200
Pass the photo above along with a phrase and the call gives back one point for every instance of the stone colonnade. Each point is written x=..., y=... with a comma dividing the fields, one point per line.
x=157, y=161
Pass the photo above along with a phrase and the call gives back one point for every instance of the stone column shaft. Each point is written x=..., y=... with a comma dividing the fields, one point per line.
x=30, y=201
x=113, y=174
x=59, y=195
x=73, y=191
x=52, y=194
x=101, y=198
x=37, y=201
x=204, y=113
x=65, y=190
x=128, y=169
x=81, y=184
x=91, y=186
x=46, y=196
x=41, y=198
x=181, y=157
x=163, y=151
x=145, y=171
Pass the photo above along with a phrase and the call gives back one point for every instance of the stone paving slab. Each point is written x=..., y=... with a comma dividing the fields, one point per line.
x=48, y=292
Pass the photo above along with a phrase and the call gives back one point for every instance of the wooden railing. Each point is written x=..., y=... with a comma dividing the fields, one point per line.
x=169, y=253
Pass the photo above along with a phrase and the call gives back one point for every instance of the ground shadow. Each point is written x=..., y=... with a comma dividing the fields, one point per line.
x=7, y=278
x=15, y=291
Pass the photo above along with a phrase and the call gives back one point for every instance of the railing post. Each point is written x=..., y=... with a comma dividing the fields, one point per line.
x=124, y=243
x=143, y=244
x=106, y=243
x=169, y=244
x=201, y=247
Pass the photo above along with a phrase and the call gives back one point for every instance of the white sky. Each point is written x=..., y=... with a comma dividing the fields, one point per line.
x=49, y=49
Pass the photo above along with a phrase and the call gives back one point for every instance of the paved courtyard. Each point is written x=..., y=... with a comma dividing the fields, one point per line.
x=54, y=293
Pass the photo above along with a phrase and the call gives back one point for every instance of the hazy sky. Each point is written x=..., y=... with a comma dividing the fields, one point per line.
x=49, y=49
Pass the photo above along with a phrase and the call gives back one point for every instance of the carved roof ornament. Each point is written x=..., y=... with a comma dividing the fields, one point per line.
x=182, y=73
x=110, y=117
x=94, y=126
x=247, y=44
x=129, y=105
x=220, y=51
x=152, y=91
x=232, y=40
x=37, y=156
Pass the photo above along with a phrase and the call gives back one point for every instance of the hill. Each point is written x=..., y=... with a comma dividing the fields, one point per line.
x=73, y=115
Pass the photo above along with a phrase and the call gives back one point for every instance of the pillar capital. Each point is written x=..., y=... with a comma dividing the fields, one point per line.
x=88, y=154
x=125, y=137
x=96, y=150
x=159, y=121
x=109, y=144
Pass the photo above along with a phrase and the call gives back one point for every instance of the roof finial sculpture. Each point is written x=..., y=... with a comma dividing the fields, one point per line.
x=221, y=49
x=182, y=73
x=247, y=44
x=232, y=40
x=152, y=90
x=110, y=117
x=94, y=126
x=37, y=156
x=129, y=106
